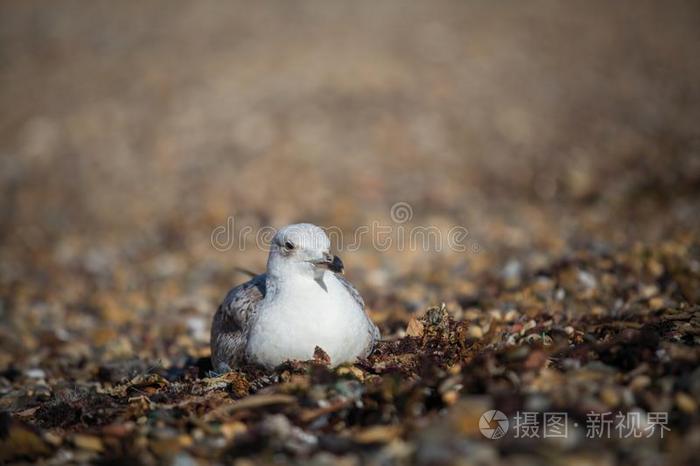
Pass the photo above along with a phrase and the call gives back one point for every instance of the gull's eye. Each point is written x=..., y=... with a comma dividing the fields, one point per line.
x=289, y=245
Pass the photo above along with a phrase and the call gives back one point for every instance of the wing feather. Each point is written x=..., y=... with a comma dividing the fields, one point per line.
x=229, y=330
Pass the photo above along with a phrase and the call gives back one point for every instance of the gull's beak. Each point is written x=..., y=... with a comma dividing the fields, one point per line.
x=330, y=262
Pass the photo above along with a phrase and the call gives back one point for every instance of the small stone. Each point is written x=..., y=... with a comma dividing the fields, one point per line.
x=88, y=442
x=587, y=279
x=450, y=397
x=198, y=327
x=36, y=374
x=655, y=267
x=231, y=429
x=472, y=314
x=649, y=291
x=656, y=303
x=53, y=439
x=184, y=440
x=610, y=397
x=41, y=391
x=640, y=382
x=686, y=403
x=183, y=459
x=528, y=326
x=118, y=429
x=355, y=372
x=475, y=332
x=511, y=273
x=543, y=285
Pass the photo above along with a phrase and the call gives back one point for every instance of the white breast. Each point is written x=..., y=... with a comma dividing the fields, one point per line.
x=301, y=316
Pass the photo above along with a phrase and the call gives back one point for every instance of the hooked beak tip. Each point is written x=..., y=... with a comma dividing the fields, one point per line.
x=337, y=265
x=330, y=262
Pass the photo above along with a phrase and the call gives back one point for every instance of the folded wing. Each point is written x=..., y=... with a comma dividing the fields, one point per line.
x=231, y=324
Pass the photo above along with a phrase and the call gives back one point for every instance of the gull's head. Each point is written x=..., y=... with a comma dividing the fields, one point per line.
x=302, y=248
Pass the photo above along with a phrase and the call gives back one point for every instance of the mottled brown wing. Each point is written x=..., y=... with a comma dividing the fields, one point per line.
x=229, y=329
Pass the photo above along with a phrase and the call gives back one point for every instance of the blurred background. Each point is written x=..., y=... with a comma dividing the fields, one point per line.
x=130, y=131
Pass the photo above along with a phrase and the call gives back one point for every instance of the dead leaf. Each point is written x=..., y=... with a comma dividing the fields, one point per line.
x=321, y=357
x=415, y=328
x=251, y=402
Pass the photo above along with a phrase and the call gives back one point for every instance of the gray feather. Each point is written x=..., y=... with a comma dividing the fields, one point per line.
x=229, y=331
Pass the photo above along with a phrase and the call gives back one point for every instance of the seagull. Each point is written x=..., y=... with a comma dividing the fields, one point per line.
x=302, y=302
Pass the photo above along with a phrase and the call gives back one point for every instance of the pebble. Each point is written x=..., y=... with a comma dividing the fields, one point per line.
x=183, y=459
x=472, y=314
x=198, y=327
x=656, y=303
x=35, y=373
x=475, y=331
x=528, y=326
x=88, y=442
x=231, y=429
x=587, y=279
x=450, y=397
x=118, y=429
x=610, y=397
x=511, y=273
x=649, y=291
x=686, y=403
x=496, y=314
